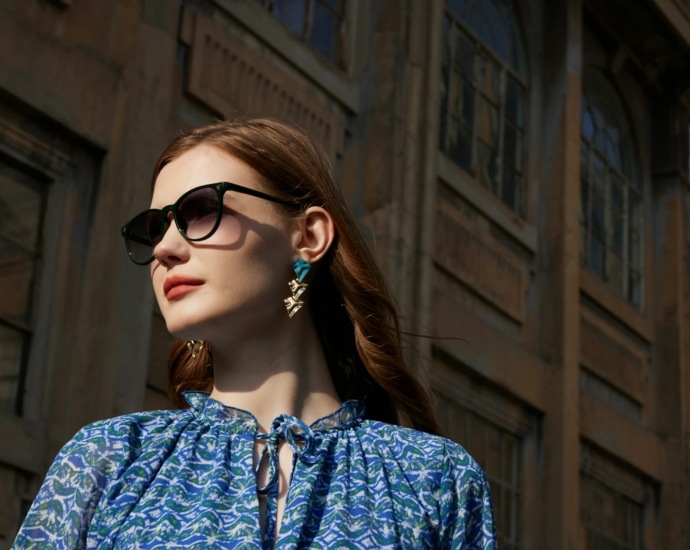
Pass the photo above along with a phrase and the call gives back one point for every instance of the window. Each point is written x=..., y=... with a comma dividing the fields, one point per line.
x=611, y=521
x=483, y=95
x=21, y=207
x=611, y=219
x=497, y=451
x=611, y=503
x=320, y=23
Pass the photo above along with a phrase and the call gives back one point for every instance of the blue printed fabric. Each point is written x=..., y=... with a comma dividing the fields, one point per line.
x=186, y=479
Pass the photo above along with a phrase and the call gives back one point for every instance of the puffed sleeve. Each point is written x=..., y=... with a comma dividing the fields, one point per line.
x=466, y=509
x=61, y=512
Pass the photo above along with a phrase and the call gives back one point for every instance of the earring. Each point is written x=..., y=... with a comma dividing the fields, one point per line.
x=297, y=287
x=195, y=346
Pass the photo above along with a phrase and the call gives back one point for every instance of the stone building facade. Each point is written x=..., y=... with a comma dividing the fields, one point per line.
x=520, y=169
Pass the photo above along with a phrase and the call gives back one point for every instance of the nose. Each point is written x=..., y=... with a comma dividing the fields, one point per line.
x=173, y=247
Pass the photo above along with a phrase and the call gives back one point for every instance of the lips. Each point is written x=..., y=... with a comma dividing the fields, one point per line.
x=178, y=285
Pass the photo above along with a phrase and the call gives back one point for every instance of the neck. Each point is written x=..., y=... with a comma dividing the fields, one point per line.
x=275, y=372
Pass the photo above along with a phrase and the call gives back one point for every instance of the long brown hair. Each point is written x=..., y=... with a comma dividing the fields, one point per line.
x=353, y=309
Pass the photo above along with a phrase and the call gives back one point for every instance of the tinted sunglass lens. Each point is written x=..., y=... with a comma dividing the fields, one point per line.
x=197, y=213
x=144, y=233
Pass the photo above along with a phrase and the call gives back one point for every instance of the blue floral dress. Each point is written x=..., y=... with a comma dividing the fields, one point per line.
x=186, y=479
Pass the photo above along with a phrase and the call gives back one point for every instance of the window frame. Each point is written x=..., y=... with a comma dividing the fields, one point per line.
x=27, y=329
x=498, y=485
x=506, y=70
x=305, y=37
x=599, y=534
x=586, y=224
x=609, y=475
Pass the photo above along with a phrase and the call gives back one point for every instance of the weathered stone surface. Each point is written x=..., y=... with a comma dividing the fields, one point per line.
x=92, y=91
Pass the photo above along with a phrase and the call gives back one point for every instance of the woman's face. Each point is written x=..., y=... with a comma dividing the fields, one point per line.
x=239, y=275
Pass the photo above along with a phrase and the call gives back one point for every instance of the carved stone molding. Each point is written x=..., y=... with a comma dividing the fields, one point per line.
x=478, y=396
x=230, y=78
x=616, y=475
x=466, y=248
x=612, y=356
x=30, y=149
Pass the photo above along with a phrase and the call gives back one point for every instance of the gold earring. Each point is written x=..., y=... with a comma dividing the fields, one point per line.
x=297, y=287
x=195, y=346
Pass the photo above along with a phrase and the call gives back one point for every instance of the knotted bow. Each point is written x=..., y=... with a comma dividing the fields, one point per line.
x=284, y=426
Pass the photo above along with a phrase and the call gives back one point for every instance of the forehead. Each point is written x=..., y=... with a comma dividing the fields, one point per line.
x=201, y=165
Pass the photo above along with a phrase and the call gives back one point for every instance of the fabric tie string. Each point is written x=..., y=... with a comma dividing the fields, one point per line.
x=294, y=432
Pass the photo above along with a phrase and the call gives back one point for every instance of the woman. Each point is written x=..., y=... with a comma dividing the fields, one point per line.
x=314, y=354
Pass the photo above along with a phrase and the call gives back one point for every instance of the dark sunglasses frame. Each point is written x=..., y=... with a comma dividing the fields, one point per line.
x=220, y=188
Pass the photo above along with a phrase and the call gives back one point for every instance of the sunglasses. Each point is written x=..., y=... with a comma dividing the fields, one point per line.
x=197, y=215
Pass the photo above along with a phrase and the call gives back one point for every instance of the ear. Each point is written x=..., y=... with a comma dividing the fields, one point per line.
x=313, y=234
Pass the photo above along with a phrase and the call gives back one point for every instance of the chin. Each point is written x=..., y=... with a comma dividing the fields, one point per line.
x=200, y=323
x=188, y=324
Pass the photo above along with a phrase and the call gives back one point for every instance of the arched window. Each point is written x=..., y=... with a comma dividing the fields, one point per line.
x=320, y=23
x=611, y=243
x=483, y=84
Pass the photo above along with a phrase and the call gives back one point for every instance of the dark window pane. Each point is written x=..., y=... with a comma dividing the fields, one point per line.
x=617, y=195
x=325, y=32
x=635, y=250
x=613, y=137
x=584, y=160
x=446, y=39
x=599, y=118
x=617, y=236
x=461, y=105
x=457, y=6
x=616, y=273
x=16, y=268
x=635, y=210
x=463, y=55
x=476, y=442
x=512, y=146
x=335, y=5
x=597, y=514
x=596, y=259
x=584, y=201
x=486, y=166
x=598, y=226
x=459, y=145
x=515, y=99
x=510, y=450
x=598, y=174
x=11, y=344
x=492, y=466
x=292, y=13
x=497, y=501
x=622, y=532
x=495, y=23
x=487, y=123
x=472, y=18
x=587, y=125
x=635, y=288
x=610, y=515
x=508, y=514
x=20, y=207
x=442, y=129
x=510, y=190
x=488, y=77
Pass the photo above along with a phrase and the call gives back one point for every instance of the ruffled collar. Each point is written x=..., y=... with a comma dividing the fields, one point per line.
x=349, y=414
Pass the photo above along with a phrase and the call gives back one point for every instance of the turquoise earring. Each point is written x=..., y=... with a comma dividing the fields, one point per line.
x=297, y=287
